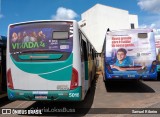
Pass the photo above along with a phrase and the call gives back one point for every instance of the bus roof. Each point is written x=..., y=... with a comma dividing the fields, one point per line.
x=38, y=21
x=34, y=21
x=124, y=31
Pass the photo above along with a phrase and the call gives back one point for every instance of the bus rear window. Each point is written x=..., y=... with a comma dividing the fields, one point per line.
x=142, y=35
x=60, y=35
x=35, y=36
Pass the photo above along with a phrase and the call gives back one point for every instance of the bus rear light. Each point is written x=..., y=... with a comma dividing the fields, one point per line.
x=74, y=81
x=9, y=79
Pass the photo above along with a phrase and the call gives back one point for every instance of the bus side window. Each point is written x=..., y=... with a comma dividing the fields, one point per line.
x=92, y=54
x=142, y=35
x=81, y=47
x=84, y=47
x=85, y=50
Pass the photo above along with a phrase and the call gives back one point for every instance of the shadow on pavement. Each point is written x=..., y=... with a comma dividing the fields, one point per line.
x=53, y=108
x=127, y=86
x=4, y=101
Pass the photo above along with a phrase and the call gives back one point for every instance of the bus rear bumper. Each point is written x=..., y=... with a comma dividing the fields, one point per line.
x=65, y=95
x=130, y=76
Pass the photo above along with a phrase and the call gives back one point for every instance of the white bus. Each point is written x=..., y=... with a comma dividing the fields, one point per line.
x=49, y=60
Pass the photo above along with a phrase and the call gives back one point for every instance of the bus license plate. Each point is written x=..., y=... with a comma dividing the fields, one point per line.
x=131, y=76
x=40, y=97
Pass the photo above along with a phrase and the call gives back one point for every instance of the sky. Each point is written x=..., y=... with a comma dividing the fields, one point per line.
x=14, y=11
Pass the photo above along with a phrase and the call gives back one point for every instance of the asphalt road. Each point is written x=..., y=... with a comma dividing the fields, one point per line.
x=103, y=99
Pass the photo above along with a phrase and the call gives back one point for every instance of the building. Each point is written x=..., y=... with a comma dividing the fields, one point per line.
x=96, y=20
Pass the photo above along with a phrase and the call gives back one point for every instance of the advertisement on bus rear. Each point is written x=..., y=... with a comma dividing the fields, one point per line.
x=41, y=36
x=130, y=55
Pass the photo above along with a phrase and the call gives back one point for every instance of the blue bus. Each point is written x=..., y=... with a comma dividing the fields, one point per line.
x=129, y=54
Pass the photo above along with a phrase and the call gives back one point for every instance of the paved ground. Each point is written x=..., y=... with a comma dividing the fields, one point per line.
x=113, y=97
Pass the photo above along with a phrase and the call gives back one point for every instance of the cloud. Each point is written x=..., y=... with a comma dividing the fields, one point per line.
x=143, y=26
x=64, y=14
x=151, y=21
x=152, y=26
x=156, y=31
x=152, y=6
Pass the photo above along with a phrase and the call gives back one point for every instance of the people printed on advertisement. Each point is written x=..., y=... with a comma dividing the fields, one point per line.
x=41, y=36
x=26, y=38
x=38, y=39
x=19, y=37
x=14, y=37
x=122, y=60
x=125, y=63
x=23, y=37
x=33, y=37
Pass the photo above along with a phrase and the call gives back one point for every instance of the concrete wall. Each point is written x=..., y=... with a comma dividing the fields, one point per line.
x=97, y=19
x=134, y=20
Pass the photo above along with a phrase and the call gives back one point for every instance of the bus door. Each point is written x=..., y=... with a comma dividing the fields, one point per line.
x=85, y=64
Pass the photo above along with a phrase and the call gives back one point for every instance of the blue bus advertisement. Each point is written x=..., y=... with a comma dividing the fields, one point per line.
x=130, y=54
